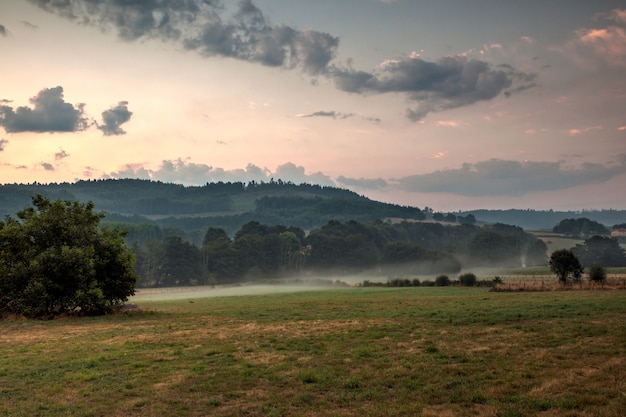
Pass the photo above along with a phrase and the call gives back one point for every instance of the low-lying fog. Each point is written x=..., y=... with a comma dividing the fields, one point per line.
x=314, y=283
x=183, y=293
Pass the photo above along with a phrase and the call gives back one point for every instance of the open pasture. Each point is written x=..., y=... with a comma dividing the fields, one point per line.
x=338, y=352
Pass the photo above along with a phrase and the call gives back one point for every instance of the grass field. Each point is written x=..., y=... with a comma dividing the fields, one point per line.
x=339, y=352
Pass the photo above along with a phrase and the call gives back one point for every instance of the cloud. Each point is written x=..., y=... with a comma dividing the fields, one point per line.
x=47, y=166
x=114, y=117
x=332, y=114
x=447, y=123
x=363, y=183
x=591, y=47
x=50, y=113
x=498, y=177
x=188, y=173
x=30, y=25
x=575, y=132
x=618, y=15
x=338, y=115
x=203, y=26
x=3, y=143
x=199, y=25
x=296, y=174
x=60, y=155
x=3, y=31
x=450, y=82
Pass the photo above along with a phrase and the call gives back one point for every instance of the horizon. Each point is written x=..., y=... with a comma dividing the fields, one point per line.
x=446, y=104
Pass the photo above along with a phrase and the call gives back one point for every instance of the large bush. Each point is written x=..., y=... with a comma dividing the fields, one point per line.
x=54, y=258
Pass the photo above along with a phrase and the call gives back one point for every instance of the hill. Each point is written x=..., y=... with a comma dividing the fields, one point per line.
x=192, y=209
x=546, y=219
x=226, y=205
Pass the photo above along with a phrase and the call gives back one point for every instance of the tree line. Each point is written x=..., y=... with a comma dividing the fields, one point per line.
x=260, y=251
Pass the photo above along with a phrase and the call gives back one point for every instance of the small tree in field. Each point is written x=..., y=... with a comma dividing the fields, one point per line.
x=467, y=279
x=566, y=266
x=597, y=274
x=54, y=258
x=442, y=281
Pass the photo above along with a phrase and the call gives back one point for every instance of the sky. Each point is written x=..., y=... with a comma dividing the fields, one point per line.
x=452, y=105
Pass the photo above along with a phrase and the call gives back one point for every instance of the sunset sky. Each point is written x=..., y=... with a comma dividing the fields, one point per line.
x=453, y=105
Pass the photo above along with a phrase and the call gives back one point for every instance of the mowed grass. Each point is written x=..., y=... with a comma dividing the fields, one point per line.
x=349, y=352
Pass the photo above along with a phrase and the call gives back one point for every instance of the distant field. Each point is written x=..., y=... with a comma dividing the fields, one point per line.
x=448, y=351
x=556, y=241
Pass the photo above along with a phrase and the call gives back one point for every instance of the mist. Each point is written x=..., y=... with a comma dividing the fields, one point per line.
x=184, y=293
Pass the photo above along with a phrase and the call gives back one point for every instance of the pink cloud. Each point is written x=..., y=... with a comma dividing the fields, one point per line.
x=447, y=123
x=574, y=131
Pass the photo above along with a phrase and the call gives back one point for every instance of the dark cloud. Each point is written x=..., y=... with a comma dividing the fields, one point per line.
x=47, y=166
x=199, y=25
x=332, y=114
x=30, y=25
x=60, y=155
x=3, y=31
x=114, y=117
x=500, y=177
x=3, y=143
x=363, y=183
x=450, y=82
x=132, y=19
x=338, y=115
x=50, y=113
x=250, y=37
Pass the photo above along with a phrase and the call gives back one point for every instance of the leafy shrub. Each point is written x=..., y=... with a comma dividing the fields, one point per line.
x=596, y=273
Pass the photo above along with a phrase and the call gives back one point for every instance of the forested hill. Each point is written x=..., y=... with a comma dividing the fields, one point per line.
x=546, y=219
x=145, y=197
x=226, y=205
x=192, y=209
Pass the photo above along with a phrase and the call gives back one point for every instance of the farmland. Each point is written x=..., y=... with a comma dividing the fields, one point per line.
x=335, y=352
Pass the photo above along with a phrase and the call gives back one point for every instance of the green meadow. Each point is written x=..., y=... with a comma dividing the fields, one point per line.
x=414, y=351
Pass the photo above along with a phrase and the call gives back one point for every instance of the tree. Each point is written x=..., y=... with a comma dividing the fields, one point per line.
x=536, y=254
x=181, y=264
x=442, y=281
x=213, y=234
x=492, y=248
x=581, y=227
x=601, y=250
x=469, y=219
x=565, y=265
x=597, y=273
x=222, y=261
x=54, y=258
x=467, y=279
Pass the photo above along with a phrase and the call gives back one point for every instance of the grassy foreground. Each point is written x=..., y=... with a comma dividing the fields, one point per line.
x=350, y=352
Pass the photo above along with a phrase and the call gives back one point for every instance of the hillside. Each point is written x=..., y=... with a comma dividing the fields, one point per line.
x=192, y=209
x=546, y=219
x=226, y=205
